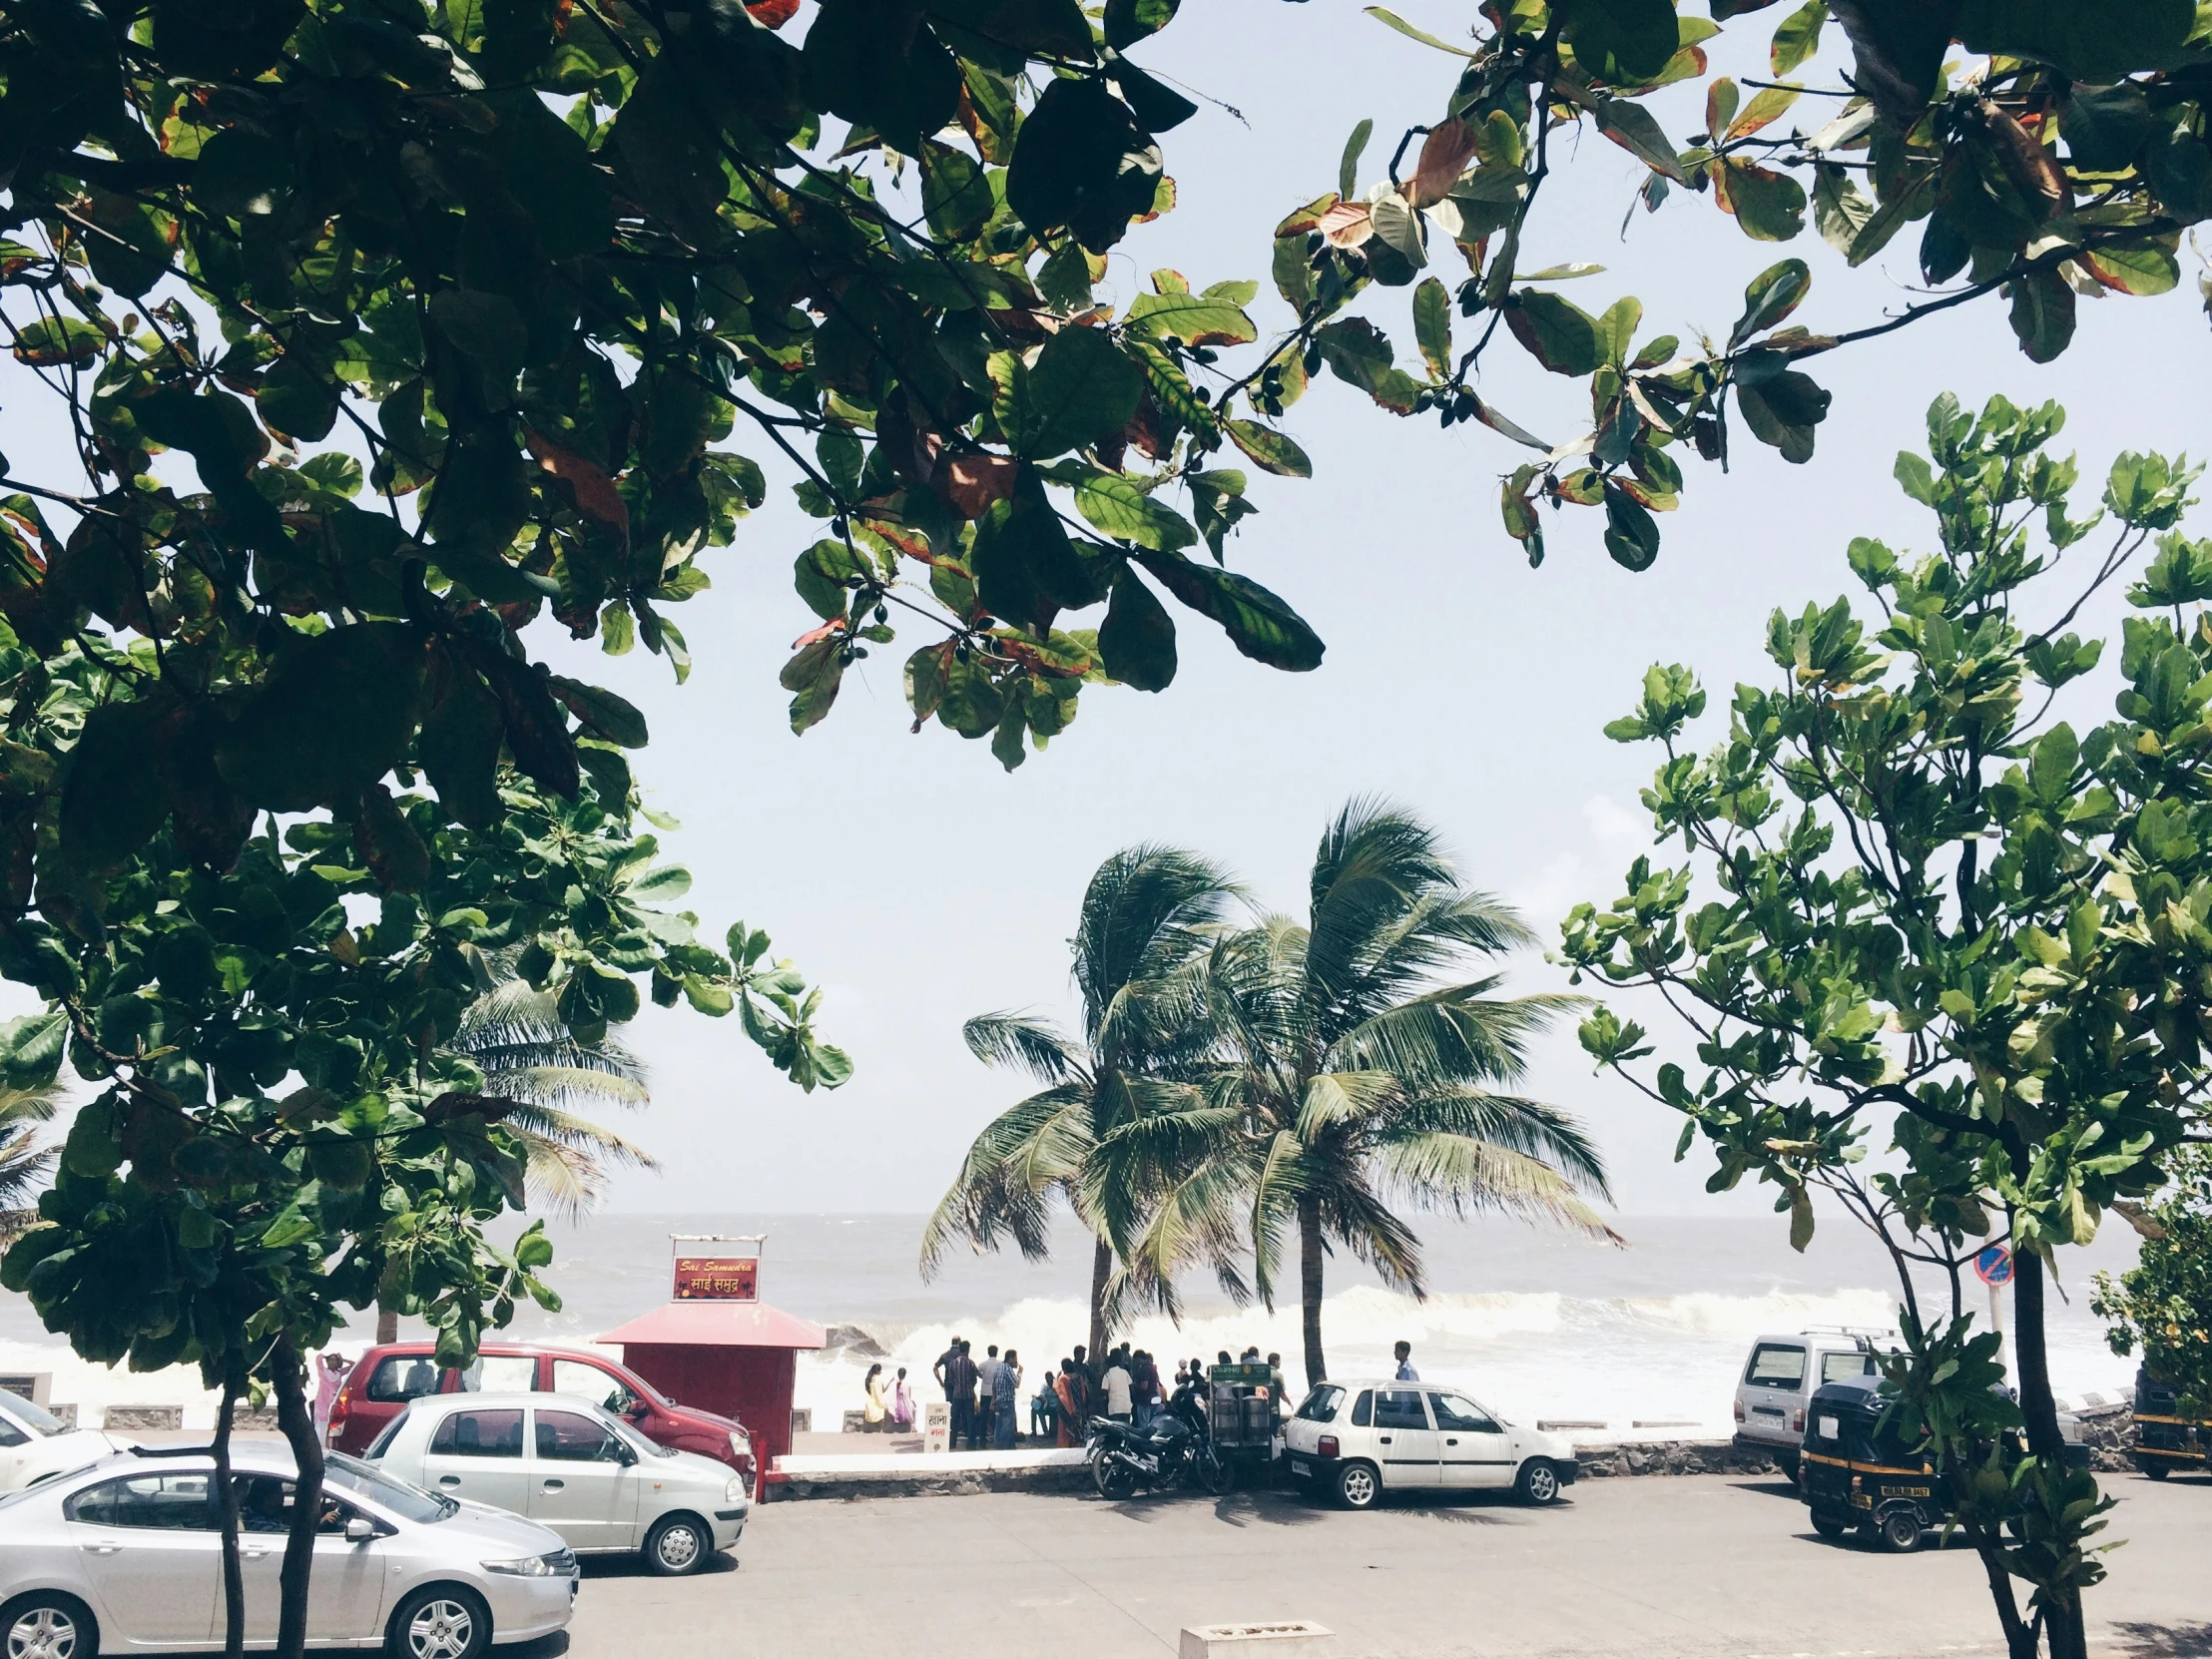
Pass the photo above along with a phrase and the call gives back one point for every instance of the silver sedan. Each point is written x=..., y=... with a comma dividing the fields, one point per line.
x=125, y=1556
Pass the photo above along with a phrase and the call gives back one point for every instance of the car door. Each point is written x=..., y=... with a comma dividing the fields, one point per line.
x=152, y=1552
x=583, y=1481
x=1406, y=1445
x=15, y=1449
x=476, y=1455
x=1475, y=1451
x=346, y=1590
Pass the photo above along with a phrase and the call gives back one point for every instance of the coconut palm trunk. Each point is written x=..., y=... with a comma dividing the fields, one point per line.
x=1311, y=1249
x=1102, y=1273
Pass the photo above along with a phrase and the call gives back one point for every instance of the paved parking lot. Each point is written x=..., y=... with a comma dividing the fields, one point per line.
x=1714, y=1567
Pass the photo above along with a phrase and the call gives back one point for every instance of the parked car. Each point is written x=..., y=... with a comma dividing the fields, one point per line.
x=35, y=1444
x=125, y=1558
x=1357, y=1439
x=573, y=1466
x=388, y=1377
x=1781, y=1376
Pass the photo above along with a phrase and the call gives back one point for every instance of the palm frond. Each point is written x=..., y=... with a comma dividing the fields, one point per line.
x=1008, y=1039
x=1147, y=909
x=1531, y=1128
x=1005, y=1182
x=1375, y=1235
x=24, y=1169
x=1463, y=1174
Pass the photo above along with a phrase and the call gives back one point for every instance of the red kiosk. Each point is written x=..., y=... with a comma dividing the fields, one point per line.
x=717, y=1345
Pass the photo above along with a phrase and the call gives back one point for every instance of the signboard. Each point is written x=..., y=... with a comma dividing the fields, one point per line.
x=937, y=1426
x=718, y=1279
x=1994, y=1266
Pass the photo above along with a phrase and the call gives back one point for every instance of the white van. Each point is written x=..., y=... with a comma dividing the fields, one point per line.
x=1779, y=1379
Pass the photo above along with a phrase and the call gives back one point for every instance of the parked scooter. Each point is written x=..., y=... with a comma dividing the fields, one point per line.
x=1169, y=1452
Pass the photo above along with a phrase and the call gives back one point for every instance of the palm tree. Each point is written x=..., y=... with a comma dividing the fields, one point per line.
x=527, y=1053
x=516, y=1037
x=1354, y=1085
x=24, y=1164
x=1149, y=915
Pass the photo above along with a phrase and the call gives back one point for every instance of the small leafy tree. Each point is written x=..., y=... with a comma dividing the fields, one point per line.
x=1911, y=896
x=2162, y=1307
x=2064, y=155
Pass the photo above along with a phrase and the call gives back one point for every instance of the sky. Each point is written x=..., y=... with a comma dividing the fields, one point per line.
x=919, y=884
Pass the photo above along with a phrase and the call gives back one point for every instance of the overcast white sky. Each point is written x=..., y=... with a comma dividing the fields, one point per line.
x=920, y=884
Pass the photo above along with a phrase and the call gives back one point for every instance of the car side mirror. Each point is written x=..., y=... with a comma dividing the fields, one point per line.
x=360, y=1530
x=629, y=1456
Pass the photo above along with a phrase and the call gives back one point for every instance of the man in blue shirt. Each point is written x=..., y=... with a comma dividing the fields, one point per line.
x=1405, y=1370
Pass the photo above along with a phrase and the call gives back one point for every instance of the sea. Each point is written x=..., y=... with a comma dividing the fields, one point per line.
x=1647, y=1337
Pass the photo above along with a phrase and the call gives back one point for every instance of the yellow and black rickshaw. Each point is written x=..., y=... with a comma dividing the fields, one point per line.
x=1856, y=1475
x=2164, y=1440
x=1859, y=1473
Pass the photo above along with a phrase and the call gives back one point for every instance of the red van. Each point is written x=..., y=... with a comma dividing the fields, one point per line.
x=378, y=1389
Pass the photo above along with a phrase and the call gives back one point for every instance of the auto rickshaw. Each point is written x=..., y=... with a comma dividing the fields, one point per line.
x=2164, y=1440
x=1859, y=1472
x=1856, y=1473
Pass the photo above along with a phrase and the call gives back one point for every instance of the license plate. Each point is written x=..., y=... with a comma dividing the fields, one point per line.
x=1300, y=1468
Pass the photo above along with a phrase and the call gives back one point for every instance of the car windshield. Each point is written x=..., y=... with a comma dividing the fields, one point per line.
x=407, y=1503
x=44, y=1488
x=35, y=1418
x=637, y=1442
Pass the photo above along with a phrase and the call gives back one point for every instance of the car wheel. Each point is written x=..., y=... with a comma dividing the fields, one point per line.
x=439, y=1622
x=48, y=1625
x=1831, y=1526
x=1358, y=1486
x=2157, y=1471
x=1900, y=1531
x=1538, y=1483
x=678, y=1544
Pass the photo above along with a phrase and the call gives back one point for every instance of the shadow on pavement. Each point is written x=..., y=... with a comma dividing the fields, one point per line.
x=2164, y=1641
x=1769, y=1488
x=633, y=1566
x=1271, y=1508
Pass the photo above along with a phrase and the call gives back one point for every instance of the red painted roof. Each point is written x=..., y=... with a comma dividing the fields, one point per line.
x=719, y=1325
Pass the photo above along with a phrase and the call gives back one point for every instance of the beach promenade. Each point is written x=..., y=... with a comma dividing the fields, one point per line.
x=1715, y=1567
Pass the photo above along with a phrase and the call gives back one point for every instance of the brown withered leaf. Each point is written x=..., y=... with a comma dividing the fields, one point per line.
x=595, y=496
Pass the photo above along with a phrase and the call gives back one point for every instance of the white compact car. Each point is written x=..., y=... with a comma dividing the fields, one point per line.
x=573, y=1466
x=127, y=1557
x=35, y=1444
x=1781, y=1376
x=1357, y=1439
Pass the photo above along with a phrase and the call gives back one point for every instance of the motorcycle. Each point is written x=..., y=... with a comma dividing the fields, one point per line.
x=1168, y=1451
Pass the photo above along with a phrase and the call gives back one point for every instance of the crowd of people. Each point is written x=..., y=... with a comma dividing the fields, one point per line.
x=1125, y=1384
x=986, y=1394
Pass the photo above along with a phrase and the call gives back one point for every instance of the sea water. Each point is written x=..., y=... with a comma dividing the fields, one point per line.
x=1535, y=1323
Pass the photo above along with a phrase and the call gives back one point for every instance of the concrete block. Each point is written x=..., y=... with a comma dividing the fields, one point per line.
x=803, y=1421
x=65, y=1412
x=143, y=1416
x=31, y=1385
x=1274, y=1639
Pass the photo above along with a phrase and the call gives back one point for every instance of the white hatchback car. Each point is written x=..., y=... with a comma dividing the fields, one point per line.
x=127, y=1557
x=571, y=1466
x=35, y=1443
x=1357, y=1439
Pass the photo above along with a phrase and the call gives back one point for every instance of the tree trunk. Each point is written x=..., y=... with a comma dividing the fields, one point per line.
x=297, y=1423
x=1102, y=1268
x=1309, y=1288
x=388, y=1326
x=227, y=1499
x=2064, y=1619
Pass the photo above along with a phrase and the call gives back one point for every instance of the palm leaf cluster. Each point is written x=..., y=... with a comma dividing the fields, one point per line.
x=516, y=1037
x=1239, y=1087
x=24, y=1162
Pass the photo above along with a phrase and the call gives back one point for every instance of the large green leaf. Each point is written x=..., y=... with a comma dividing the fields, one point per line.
x=1025, y=568
x=2094, y=41
x=1082, y=160
x=1258, y=623
x=1193, y=318
x=336, y=713
x=1626, y=41
x=1556, y=332
x=1080, y=389
x=1773, y=294
x=1116, y=506
x=1433, y=327
x=1129, y=21
x=876, y=62
x=1136, y=641
x=1276, y=452
x=112, y=801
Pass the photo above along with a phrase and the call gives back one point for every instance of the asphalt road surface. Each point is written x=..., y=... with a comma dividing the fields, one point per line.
x=1715, y=1566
